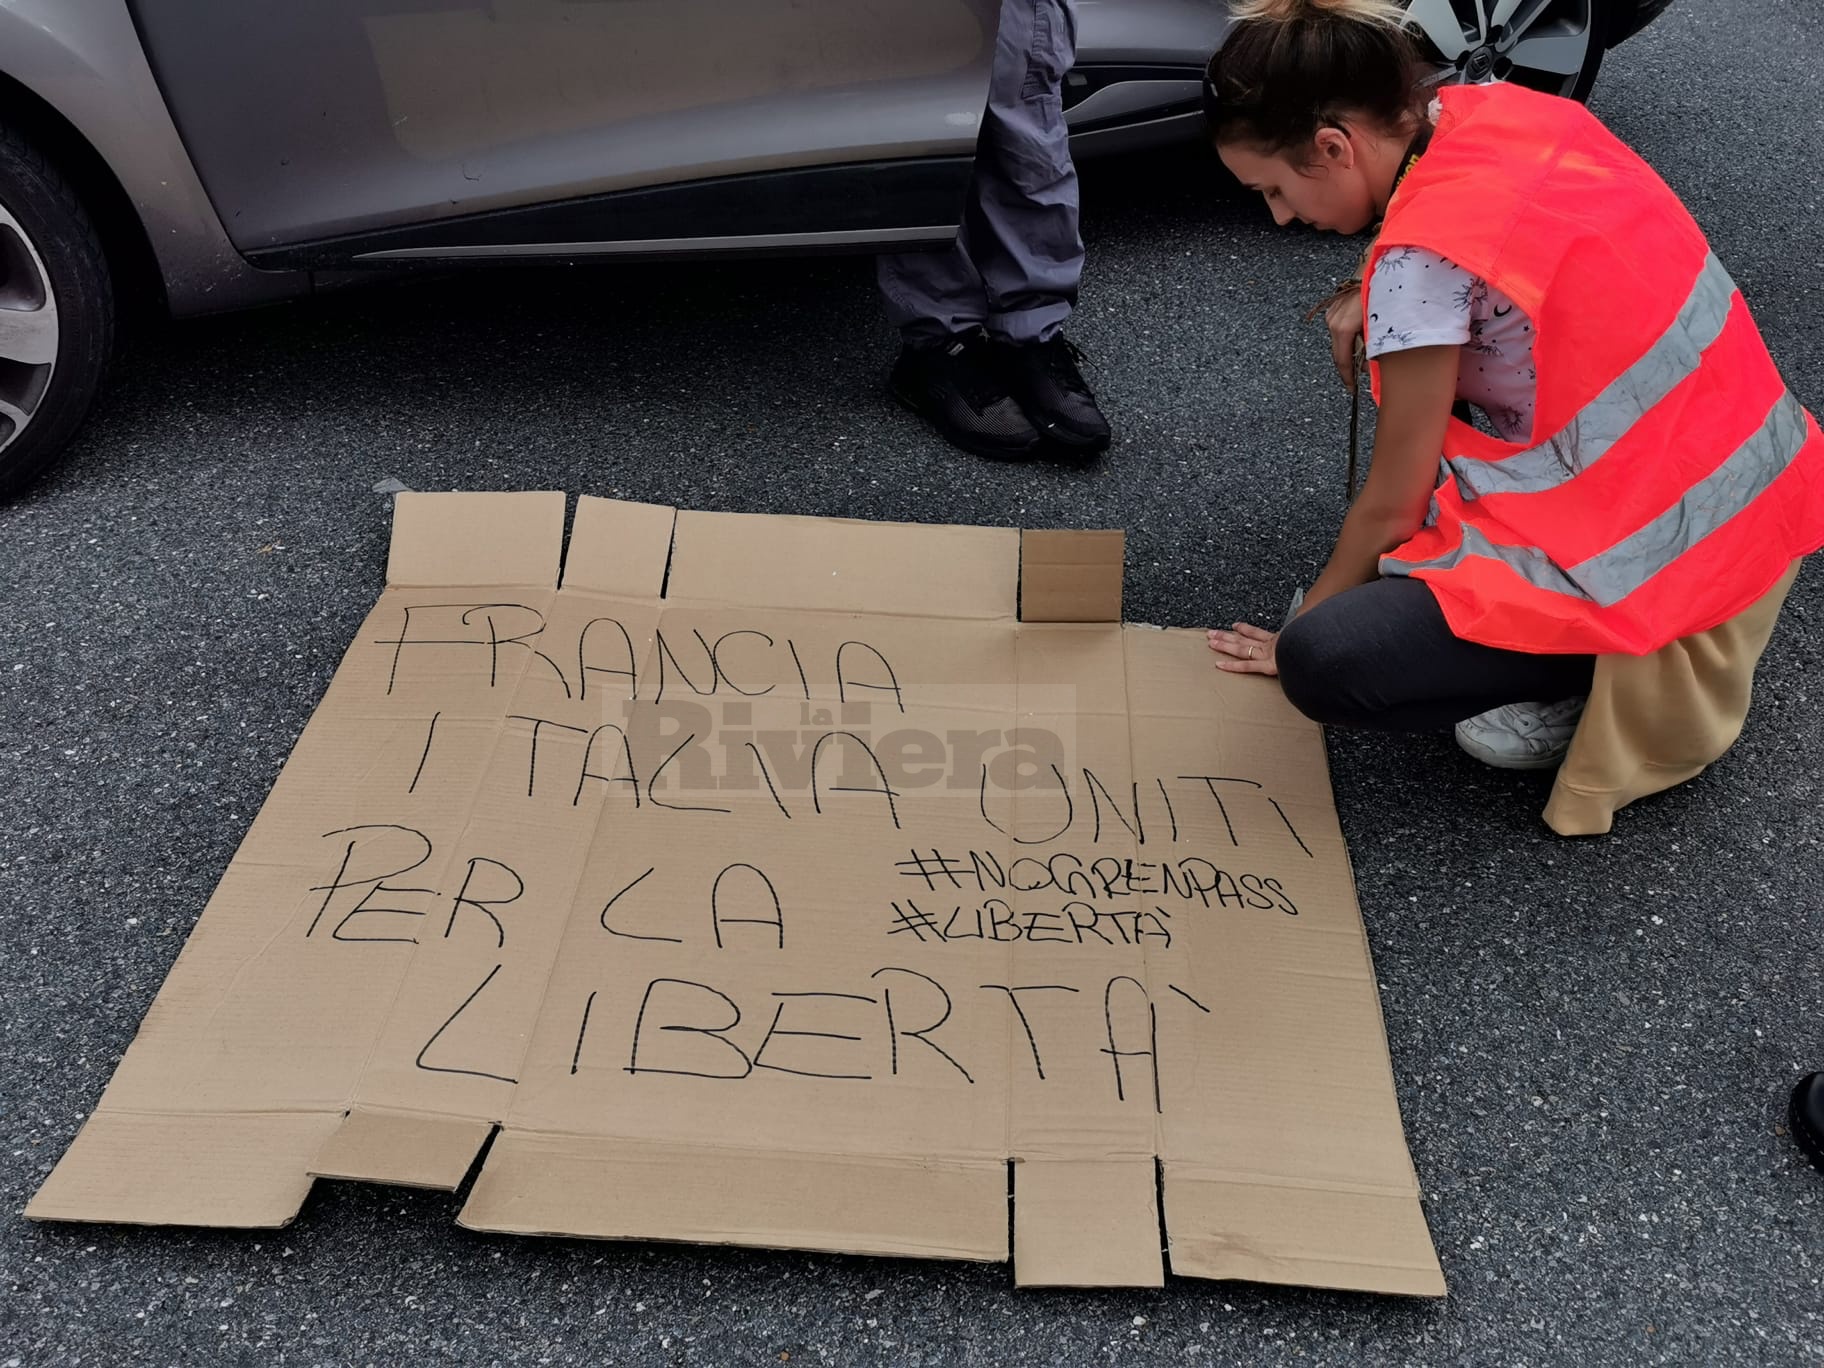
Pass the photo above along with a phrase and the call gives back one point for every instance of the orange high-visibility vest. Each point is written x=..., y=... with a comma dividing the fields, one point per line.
x=1670, y=478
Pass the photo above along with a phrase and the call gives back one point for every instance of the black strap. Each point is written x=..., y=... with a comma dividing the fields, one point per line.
x=1414, y=150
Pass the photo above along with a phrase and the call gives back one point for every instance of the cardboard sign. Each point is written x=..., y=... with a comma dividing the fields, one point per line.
x=776, y=882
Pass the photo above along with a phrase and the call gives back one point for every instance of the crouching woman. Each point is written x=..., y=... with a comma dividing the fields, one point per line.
x=1601, y=575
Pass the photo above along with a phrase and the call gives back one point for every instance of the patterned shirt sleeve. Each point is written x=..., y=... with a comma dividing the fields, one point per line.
x=1420, y=299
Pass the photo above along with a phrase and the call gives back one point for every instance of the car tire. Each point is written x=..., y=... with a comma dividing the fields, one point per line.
x=1555, y=46
x=1605, y=20
x=56, y=312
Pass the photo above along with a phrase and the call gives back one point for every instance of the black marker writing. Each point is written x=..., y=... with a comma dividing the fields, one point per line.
x=1013, y=997
x=767, y=775
x=1070, y=811
x=357, y=835
x=1098, y=793
x=719, y=1034
x=803, y=683
x=485, y=906
x=939, y=865
x=718, y=921
x=581, y=1031
x=776, y=1030
x=491, y=642
x=895, y=1031
x=1187, y=997
x=885, y=789
x=628, y=934
x=430, y=732
x=667, y=657
x=538, y=725
x=1169, y=810
x=1289, y=827
x=444, y=1068
x=844, y=683
x=716, y=659
x=659, y=773
x=364, y=908
x=1117, y=1054
x=631, y=777
x=1210, y=781
x=584, y=668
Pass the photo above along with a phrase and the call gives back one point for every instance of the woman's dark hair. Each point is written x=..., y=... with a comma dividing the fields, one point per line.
x=1291, y=67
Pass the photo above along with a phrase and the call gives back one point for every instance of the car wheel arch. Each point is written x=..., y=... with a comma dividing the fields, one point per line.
x=138, y=282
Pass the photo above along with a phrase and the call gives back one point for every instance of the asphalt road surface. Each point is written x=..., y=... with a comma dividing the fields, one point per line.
x=1593, y=1041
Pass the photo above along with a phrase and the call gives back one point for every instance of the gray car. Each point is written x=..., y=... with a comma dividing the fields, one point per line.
x=216, y=154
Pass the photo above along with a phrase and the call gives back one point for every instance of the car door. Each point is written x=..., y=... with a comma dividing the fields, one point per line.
x=374, y=131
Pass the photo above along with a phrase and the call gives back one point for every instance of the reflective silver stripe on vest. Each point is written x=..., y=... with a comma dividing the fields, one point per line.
x=1610, y=576
x=1705, y=507
x=1608, y=417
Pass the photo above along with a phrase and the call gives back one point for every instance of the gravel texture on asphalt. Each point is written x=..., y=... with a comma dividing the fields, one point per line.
x=1593, y=1041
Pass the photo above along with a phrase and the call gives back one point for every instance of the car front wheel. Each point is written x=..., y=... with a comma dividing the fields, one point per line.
x=1550, y=45
x=56, y=312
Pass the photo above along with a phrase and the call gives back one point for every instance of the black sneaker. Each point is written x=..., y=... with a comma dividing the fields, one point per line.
x=1044, y=378
x=957, y=387
x=1807, y=1116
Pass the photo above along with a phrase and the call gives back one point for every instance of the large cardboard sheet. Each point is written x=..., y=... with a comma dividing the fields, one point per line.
x=779, y=881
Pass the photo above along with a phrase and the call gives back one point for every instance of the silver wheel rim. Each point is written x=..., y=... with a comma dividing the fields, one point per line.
x=29, y=330
x=1544, y=44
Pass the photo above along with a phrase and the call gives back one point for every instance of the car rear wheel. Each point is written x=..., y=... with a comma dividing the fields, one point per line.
x=56, y=312
x=1550, y=45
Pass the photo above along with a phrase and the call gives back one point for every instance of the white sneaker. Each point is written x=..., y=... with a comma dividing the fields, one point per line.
x=1521, y=735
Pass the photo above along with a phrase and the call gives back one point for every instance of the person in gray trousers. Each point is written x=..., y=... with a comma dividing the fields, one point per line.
x=984, y=358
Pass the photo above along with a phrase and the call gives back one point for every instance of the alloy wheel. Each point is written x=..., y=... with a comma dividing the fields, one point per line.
x=1548, y=45
x=29, y=330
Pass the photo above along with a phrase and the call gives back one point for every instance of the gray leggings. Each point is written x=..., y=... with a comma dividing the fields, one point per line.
x=1382, y=656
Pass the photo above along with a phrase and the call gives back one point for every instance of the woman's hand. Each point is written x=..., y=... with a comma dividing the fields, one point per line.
x=1246, y=650
x=1344, y=319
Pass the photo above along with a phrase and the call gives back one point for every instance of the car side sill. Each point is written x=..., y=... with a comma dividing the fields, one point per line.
x=860, y=206
x=861, y=239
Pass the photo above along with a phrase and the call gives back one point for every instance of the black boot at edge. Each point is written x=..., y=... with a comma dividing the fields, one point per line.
x=958, y=387
x=1045, y=379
